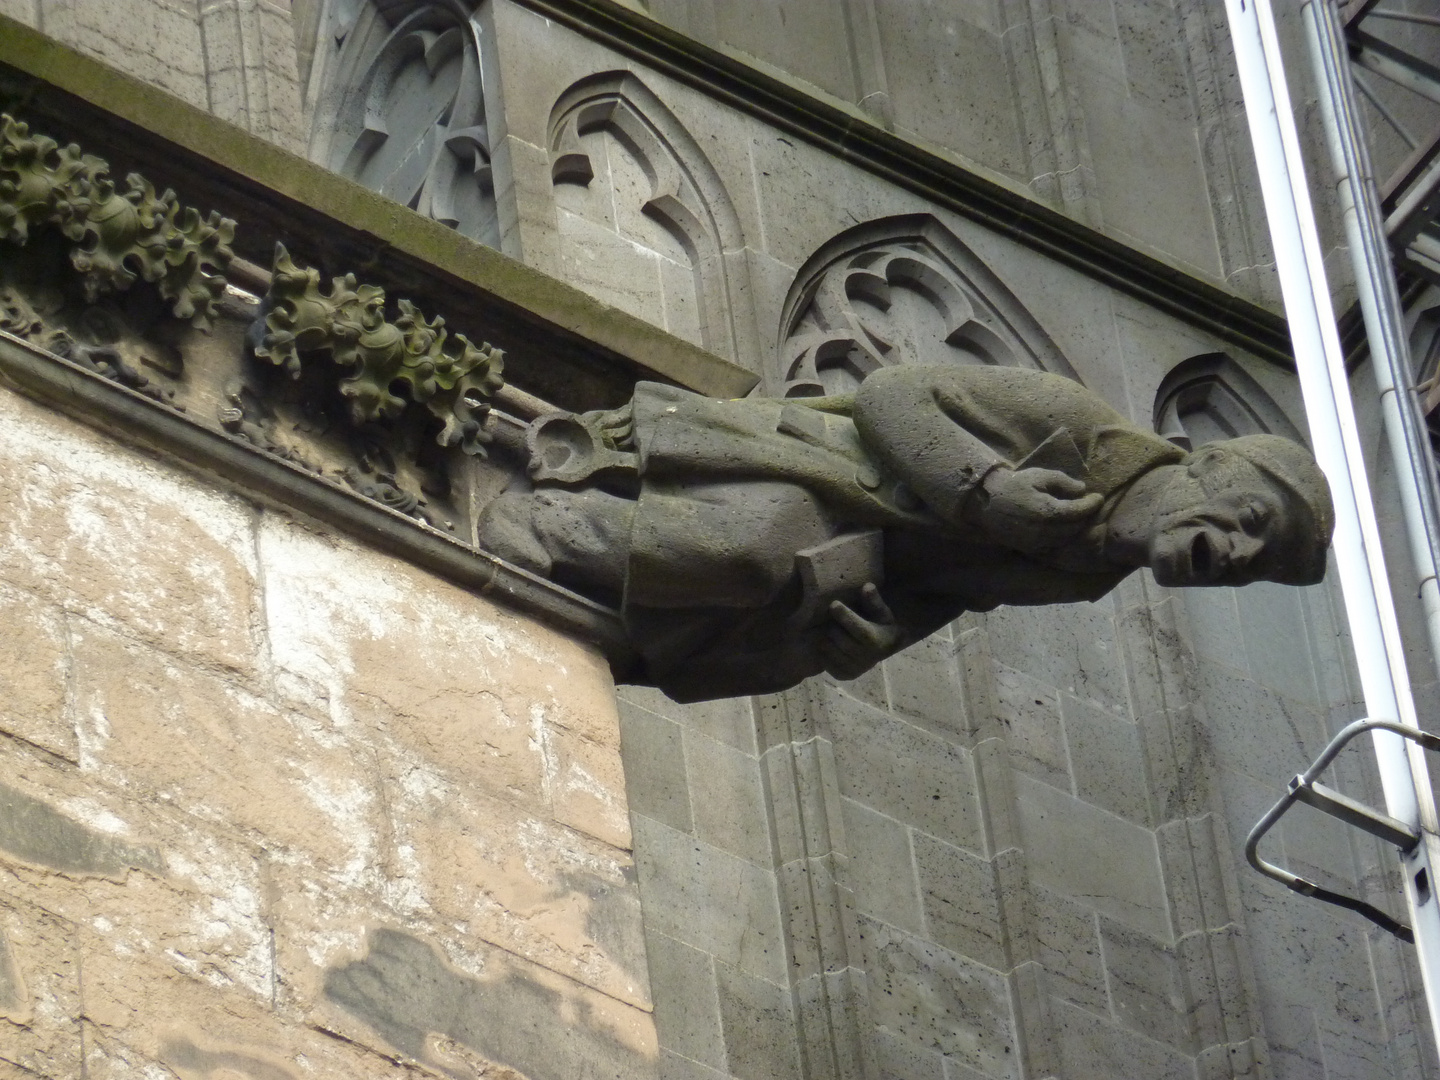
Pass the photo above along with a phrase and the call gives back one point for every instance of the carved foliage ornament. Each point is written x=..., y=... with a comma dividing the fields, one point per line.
x=451, y=376
x=118, y=236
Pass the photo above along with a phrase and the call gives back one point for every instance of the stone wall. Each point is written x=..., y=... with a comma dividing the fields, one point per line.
x=273, y=805
x=234, y=58
x=1010, y=851
x=1013, y=850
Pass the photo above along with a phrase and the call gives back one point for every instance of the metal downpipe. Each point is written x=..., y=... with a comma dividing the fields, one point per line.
x=1380, y=305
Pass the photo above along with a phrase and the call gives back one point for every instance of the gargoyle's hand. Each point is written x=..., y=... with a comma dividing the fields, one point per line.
x=617, y=428
x=854, y=642
x=1035, y=509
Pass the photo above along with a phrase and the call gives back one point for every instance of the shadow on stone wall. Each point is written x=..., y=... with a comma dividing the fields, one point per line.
x=407, y=992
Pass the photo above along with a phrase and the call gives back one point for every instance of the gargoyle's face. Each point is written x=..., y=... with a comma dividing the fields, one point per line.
x=1218, y=522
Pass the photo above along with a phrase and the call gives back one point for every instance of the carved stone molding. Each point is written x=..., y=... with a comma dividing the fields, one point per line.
x=900, y=290
x=406, y=113
x=117, y=237
x=686, y=197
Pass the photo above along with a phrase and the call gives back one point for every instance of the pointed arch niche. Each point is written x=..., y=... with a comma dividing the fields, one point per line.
x=900, y=290
x=644, y=221
x=1210, y=397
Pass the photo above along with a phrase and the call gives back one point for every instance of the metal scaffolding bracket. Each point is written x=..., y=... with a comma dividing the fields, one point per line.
x=1410, y=198
x=1306, y=788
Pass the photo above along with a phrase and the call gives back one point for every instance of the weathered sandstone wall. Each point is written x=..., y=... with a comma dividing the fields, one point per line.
x=273, y=805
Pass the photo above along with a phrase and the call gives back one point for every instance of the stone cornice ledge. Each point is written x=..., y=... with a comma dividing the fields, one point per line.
x=844, y=130
x=202, y=142
x=119, y=412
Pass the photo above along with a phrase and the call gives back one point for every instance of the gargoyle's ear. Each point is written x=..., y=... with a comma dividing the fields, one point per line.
x=1206, y=459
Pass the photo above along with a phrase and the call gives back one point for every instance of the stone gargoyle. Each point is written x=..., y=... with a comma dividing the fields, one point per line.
x=752, y=543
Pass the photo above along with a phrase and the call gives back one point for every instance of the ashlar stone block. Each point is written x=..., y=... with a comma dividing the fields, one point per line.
x=41, y=1037
x=1069, y=646
x=478, y=696
x=159, y=43
x=935, y=1000
x=1107, y=760
x=34, y=665
x=1088, y=854
x=923, y=681
x=1099, y=1050
x=904, y=771
x=900, y=1059
x=710, y=900
x=405, y=994
x=36, y=832
x=727, y=720
x=675, y=1067
x=728, y=799
x=107, y=532
x=962, y=902
x=687, y=1008
x=1256, y=731
x=1068, y=948
x=944, y=53
x=759, y=1027
x=883, y=874
x=232, y=757
x=546, y=893
x=1028, y=711
x=653, y=751
x=1147, y=991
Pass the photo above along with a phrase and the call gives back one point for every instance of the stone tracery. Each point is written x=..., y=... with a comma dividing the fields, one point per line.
x=898, y=290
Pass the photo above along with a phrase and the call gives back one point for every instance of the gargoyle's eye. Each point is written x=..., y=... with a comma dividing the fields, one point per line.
x=1252, y=517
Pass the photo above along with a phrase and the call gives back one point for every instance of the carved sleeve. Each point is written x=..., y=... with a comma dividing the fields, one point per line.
x=905, y=417
x=941, y=429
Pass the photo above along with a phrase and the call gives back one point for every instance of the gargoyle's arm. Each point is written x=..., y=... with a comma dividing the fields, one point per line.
x=899, y=414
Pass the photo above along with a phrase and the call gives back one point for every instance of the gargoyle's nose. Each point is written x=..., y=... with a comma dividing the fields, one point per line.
x=1244, y=548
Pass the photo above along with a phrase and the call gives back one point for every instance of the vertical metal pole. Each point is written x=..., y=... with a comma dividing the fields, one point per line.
x=1379, y=304
x=1335, y=438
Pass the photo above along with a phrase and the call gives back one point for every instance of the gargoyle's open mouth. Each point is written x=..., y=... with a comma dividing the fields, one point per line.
x=1200, y=561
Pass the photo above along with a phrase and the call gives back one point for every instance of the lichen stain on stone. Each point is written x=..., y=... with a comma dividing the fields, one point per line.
x=525, y=1019
x=37, y=833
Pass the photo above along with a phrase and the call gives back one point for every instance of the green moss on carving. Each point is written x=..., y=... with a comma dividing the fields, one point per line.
x=452, y=377
x=118, y=236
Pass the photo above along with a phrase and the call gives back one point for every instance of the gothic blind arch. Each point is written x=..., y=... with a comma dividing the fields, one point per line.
x=609, y=122
x=900, y=290
x=404, y=112
x=1211, y=397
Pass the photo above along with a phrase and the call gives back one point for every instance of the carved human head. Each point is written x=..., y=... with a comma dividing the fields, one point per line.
x=1256, y=508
